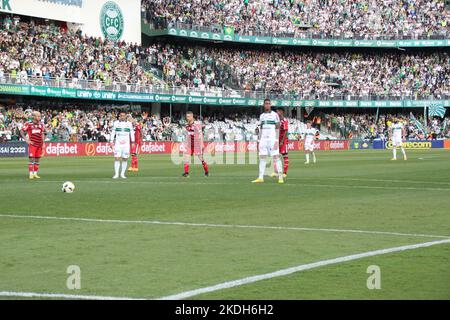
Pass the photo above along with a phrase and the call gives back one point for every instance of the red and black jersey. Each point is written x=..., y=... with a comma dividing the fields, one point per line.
x=194, y=130
x=137, y=134
x=284, y=128
x=35, y=132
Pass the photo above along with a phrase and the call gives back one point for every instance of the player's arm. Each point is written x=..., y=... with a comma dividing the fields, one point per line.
x=113, y=134
x=24, y=134
x=132, y=136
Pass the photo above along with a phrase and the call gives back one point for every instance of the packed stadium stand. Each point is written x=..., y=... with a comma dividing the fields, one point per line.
x=335, y=18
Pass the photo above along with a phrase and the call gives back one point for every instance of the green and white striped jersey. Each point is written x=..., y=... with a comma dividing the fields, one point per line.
x=268, y=122
x=122, y=132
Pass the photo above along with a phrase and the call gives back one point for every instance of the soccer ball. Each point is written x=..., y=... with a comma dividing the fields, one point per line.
x=68, y=187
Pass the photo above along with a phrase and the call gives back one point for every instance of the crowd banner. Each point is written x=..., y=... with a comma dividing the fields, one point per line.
x=229, y=35
x=411, y=144
x=13, y=149
x=52, y=92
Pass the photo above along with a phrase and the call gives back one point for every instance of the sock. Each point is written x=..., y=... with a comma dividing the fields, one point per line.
x=205, y=166
x=136, y=162
x=262, y=168
x=186, y=168
x=286, y=164
x=279, y=167
x=116, y=167
x=124, y=167
x=404, y=152
x=314, y=157
x=307, y=157
x=31, y=167
x=395, y=153
x=36, y=167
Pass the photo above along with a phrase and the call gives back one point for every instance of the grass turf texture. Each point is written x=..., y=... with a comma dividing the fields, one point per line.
x=360, y=190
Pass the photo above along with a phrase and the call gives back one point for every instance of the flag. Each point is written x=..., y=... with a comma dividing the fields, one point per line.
x=417, y=123
x=229, y=30
x=436, y=110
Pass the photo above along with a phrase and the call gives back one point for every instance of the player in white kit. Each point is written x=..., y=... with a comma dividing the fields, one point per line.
x=121, y=136
x=269, y=132
x=310, y=136
x=398, y=134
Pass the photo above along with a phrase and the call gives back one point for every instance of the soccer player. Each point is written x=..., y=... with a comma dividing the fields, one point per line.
x=193, y=143
x=33, y=133
x=136, y=146
x=121, y=135
x=283, y=144
x=310, y=135
x=269, y=135
x=398, y=135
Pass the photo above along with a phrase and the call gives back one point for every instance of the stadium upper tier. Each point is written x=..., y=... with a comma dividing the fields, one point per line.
x=46, y=55
x=348, y=19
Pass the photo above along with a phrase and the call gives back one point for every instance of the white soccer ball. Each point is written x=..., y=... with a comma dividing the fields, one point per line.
x=68, y=187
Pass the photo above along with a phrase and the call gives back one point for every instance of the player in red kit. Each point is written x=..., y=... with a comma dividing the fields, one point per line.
x=136, y=147
x=283, y=143
x=193, y=144
x=33, y=133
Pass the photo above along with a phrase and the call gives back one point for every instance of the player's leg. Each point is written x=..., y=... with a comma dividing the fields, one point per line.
x=394, y=151
x=314, y=156
x=204, y=164
x=263, y=153
x=31, y=168
x=133, y=158
x=36, y=167
x=307, y=152
x=125, y=155
x=404, y=152
x=277, y=160
x=286, y=163
x=186, y=162
x=117, y=158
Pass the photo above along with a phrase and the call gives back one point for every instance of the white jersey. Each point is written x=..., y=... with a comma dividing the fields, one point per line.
x=397, y=130
x=268, y=122
x=310, y=134
x=122, y=133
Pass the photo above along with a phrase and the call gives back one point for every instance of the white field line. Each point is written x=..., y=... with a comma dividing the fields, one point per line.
x=60, y=296
x=215, y=225
x=389, y=180
x=234, y=283
x=303, y=267
x=186, y=183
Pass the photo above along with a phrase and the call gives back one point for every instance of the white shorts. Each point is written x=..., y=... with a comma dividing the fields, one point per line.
x=122, y=151
x=267, y=147
x=309, y=146
x=397, y=142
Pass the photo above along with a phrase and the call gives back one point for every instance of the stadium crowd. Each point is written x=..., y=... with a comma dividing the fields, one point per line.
x=312, y=74
x=336, y=18
x=44, y=53
x=74, y=124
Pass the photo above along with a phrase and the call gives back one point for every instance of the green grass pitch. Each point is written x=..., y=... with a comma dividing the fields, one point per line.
x=121, y=256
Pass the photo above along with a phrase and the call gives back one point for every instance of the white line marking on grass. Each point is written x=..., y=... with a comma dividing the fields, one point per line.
x=234, y=283
x=389, y=180
x=60, y=296
x=190, y=183
x=303, y=267
x=213, y=225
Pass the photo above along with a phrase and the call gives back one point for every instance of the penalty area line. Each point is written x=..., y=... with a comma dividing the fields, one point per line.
x=303, y=267
x=215, y=225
